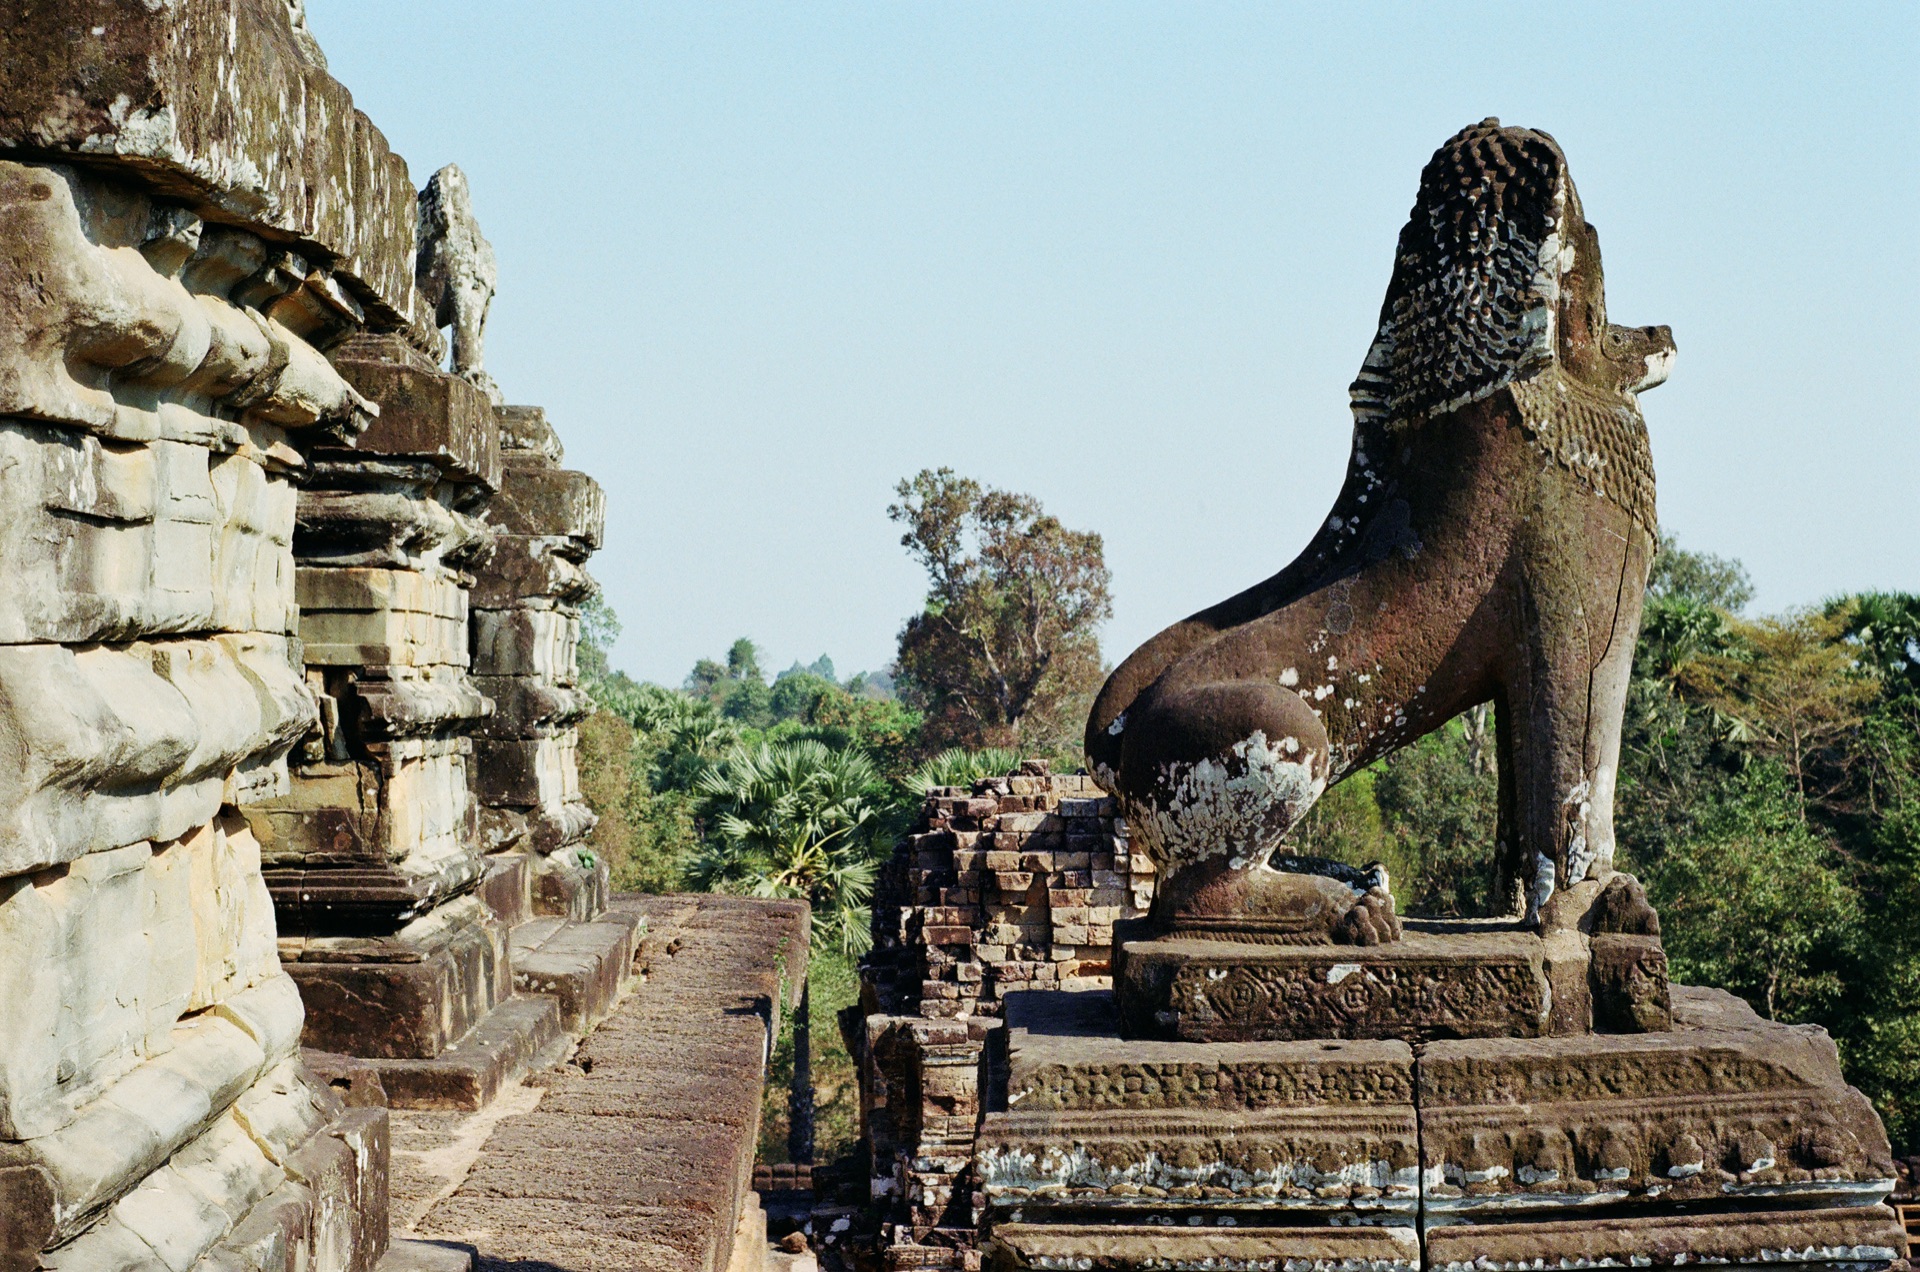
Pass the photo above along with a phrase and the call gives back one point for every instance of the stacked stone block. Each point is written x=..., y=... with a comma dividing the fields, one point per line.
x=374, y=856
x=526, y=634
x=162, y=314
x=1011, y=884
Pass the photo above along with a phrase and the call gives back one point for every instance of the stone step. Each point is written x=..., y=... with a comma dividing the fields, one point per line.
x=508, y=1042
x=426, y=1256
x=583, y=967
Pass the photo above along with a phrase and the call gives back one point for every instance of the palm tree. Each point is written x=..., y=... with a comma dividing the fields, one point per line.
x=795, y=819
x=957, y=766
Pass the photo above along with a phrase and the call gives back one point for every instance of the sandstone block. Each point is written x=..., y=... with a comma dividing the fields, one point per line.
x=527, y=772
x=102, y=543
x=225, y=105
x=425, y=412
x=525, y=430
x=1098, y=1125
x=529, y=706
x=408, y=806
x=514, y=569
x=538, y=499
x=110, y=745
x=1480, y=984
x=94, y=336
x=1725, y=1106
x=361, y=616
x=410, y=996
x=1126, y=1247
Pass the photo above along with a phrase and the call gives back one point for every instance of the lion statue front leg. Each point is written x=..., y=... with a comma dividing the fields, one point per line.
x=1221, y=774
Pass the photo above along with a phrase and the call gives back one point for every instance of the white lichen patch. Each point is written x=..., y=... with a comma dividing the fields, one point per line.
x=1239, y=806
x=1290, y=677
x=1577, y=807
x=1081, y=1166
x=1543, y=882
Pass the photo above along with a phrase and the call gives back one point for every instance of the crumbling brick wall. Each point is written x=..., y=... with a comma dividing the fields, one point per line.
x=1012, y=884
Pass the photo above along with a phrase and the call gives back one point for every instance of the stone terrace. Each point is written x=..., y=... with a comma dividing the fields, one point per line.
x=636, y=1153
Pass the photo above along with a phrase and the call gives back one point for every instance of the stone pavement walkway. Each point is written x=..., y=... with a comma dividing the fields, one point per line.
x=636, y=1153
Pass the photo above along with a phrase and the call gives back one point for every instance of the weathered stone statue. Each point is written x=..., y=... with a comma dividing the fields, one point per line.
x=1287, y=1074
x=1491, y=542
x=455, y=272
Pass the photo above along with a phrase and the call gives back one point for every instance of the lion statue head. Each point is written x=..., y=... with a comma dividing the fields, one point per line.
x=1497, y=284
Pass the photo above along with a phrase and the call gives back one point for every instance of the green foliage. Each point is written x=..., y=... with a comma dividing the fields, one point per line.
x=833, y=983
x=1758, y=903
x=1707, y=580
x=1440, y=809
x=1769, y=794
x=1005, y=651
x=795, y=819
x=957, y=766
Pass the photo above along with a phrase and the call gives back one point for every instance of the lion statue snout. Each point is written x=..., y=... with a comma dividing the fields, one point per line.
x=1644, y=355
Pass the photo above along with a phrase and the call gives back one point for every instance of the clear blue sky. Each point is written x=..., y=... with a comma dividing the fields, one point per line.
x=761, y=261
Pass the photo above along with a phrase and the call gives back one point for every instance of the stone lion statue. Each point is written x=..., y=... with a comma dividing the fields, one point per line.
x=455, y=271
x=1490, y=543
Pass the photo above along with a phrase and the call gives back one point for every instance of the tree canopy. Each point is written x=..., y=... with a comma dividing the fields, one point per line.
x=1006, y=650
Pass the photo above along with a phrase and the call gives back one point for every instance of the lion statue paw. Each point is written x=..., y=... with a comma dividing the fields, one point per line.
x=1371, y=921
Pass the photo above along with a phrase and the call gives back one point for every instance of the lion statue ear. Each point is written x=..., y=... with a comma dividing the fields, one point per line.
x=1476, y=277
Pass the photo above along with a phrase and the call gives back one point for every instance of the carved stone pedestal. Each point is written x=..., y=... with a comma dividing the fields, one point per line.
x=1445, y=979
x=1727, y=1138
x=1277, y=1148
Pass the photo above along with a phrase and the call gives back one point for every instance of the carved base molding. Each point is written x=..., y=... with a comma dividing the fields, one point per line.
x=1453, y=979
x=1725, y=1139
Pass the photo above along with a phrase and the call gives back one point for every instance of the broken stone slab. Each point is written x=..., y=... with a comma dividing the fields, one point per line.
x=226, y=106
x=1726, y=1108
x=425, y=412
x=95, y=334
x=1456, y=980
x=1135, y=1248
